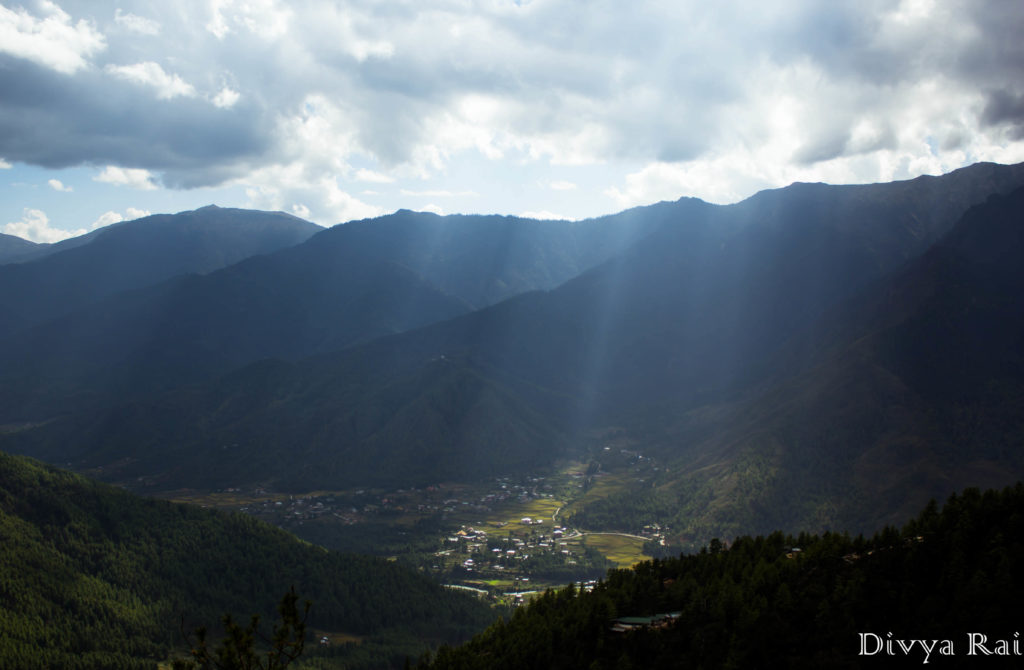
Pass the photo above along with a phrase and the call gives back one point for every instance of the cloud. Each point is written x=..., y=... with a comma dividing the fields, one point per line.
x=373, y=177
x=1005, y=108
x=4, y=165
x=51, y=40
x=110, y=217
x=151, y=74
x=133, y=177
x=562, y=186
x=438, y=193
x=35, y=226
x=136, y=23
x=226, y=98
x=57, y=185
x=266, y=18
x=95, y=118
x=106, y=219
x=243, y=89
x=293, y=188
x=544, y=215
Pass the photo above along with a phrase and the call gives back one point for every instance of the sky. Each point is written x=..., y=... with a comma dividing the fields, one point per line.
x=343, y=110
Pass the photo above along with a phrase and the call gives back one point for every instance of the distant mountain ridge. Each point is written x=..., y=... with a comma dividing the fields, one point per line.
x=13, y=247
x=134, y=254
x=344, y=286
x=729, y=341
x=486, y=259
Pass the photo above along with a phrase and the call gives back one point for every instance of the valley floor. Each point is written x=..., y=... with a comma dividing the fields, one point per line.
x=507, y=538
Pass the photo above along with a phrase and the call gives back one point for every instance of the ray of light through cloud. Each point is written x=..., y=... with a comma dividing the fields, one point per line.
x=343, y=110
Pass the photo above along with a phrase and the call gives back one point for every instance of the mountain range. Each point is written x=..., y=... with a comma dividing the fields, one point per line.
x=815, y=356
x=131, y=255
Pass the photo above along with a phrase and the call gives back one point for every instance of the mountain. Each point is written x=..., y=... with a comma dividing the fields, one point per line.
x=692, y=341
x=344, y=286
x=94, y=577
x=13, y=248
x=38, y=250
x=486, y=259
x=944, y=590
x=138, y=253
x=909, y=390
x=302, y=300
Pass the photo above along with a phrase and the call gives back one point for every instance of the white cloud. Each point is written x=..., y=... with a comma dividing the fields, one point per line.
x=268, y=19
x=432, y=208
x=135, y=23
x=226, y=98
x=133, y=177
x=292, y=187
x=373, y=177
x=4, y=165
x=151, y=74
x=57, y=185
x=714, y=181
x=562, y=185
x=545, y=215
x=35, y=226
x=51, y=40
x=439, y=193
x=107, y=218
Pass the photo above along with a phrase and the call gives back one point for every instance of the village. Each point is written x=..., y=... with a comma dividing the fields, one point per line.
x=504, y=537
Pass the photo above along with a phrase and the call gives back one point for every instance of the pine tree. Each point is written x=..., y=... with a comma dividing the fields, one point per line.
x=237, y=651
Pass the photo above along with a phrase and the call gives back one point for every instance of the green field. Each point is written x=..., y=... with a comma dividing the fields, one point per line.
x=624, y=551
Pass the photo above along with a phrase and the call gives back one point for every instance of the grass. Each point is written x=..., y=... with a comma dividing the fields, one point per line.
x=624, y=551
x=222, y=500
x=602, y=487
x=508, y=516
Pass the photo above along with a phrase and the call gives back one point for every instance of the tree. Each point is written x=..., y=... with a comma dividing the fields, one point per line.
x=237, y=651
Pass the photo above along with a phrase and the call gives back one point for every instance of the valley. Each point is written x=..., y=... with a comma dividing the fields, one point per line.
x=472, y=412
x=505, y=537
x=511, y=334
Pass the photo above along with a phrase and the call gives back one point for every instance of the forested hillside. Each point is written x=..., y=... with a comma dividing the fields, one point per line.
x=94, y=577
x=911, y=389
x=784, y=601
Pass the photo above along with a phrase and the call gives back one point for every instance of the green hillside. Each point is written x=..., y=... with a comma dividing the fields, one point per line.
x=94, y=577
x=783, y=601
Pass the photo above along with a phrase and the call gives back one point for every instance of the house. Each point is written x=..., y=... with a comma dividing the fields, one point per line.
x=629, y=623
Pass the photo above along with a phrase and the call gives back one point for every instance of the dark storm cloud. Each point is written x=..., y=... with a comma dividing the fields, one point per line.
x=1005, y=107
x=52, y=120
